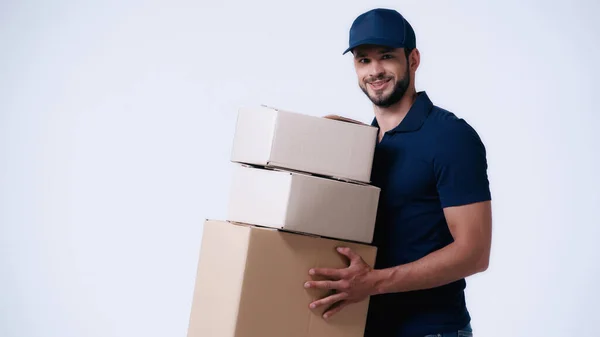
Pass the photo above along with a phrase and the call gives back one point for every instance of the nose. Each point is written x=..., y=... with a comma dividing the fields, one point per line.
x=376, y=69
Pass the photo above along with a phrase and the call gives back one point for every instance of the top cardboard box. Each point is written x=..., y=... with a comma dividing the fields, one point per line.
x=333, y=147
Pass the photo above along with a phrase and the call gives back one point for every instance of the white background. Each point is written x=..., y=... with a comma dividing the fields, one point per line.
x=116, y=121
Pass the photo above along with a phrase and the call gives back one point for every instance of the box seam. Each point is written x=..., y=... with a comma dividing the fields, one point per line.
x=327, y=175
x=237, y=314
x=273, y=136
x=286, y=218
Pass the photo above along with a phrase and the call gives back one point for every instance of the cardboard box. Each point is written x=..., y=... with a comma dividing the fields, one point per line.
x=250, y=280
x=303, y=203
x=333, y=147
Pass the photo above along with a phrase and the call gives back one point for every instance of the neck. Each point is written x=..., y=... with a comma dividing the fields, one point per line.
x=390, y=117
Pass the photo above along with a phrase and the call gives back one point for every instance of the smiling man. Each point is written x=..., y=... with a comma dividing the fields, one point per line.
x=434, y=221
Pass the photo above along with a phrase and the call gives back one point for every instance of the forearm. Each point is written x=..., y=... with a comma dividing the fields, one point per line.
x=441, y=267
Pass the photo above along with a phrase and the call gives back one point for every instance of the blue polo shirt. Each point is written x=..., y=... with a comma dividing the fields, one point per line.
x=430, y=161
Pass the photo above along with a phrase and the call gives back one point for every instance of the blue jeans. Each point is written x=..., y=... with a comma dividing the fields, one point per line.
x=464, y=332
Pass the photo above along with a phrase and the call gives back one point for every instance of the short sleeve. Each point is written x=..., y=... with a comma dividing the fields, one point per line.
x=460, y=165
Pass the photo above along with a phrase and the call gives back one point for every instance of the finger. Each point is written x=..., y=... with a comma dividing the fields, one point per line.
x=349, y=253
x=329, y=300
x=327, y=284
x=327, y=272
x=335, y=309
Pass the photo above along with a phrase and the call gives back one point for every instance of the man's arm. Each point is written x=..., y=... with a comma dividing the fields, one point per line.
x=460, y=168
x=471, y=228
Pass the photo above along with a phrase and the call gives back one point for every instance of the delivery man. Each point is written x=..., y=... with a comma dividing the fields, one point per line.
x=433, y=226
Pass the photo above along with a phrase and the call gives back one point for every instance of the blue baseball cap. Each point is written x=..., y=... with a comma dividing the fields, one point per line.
x=384, y=27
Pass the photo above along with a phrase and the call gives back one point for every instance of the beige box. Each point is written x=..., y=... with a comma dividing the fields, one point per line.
x=249, y=283
x=334, y=147
x=303, y=203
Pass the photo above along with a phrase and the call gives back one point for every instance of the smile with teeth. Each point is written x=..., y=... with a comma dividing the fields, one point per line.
x=379, y=84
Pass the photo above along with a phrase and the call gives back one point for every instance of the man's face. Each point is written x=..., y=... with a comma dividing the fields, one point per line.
x=383, y=73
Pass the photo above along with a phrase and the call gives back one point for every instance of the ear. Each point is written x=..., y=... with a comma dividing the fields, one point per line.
x=414, y=60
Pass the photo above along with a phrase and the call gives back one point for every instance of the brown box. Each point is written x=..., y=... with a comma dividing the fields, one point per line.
x=299, y=202
x=250, y=280
x=334, y=147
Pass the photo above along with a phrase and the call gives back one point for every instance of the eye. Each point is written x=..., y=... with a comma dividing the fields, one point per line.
x=363, y=60
x=387, y=56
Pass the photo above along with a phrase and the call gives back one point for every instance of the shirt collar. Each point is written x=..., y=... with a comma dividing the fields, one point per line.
x=415, y=117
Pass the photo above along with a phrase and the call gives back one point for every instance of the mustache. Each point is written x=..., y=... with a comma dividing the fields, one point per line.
x=378, y=78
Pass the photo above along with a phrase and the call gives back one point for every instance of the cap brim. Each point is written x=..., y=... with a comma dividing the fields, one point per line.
x=376, y=42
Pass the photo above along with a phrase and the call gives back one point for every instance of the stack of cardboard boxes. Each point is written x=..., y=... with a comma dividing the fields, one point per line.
x=300, y=188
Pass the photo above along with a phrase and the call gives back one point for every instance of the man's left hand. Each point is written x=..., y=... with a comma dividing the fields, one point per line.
x=352, y=284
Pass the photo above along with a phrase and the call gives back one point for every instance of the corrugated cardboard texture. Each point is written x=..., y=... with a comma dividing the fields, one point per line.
x=303, y=203
x=272, y=301
x=304, y=143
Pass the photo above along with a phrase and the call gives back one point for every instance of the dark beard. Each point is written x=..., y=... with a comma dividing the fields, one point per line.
x=396, y=95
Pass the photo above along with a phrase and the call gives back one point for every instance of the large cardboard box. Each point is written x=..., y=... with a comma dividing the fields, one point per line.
x=303, y=203
x=250, y=280
x=326, y=146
